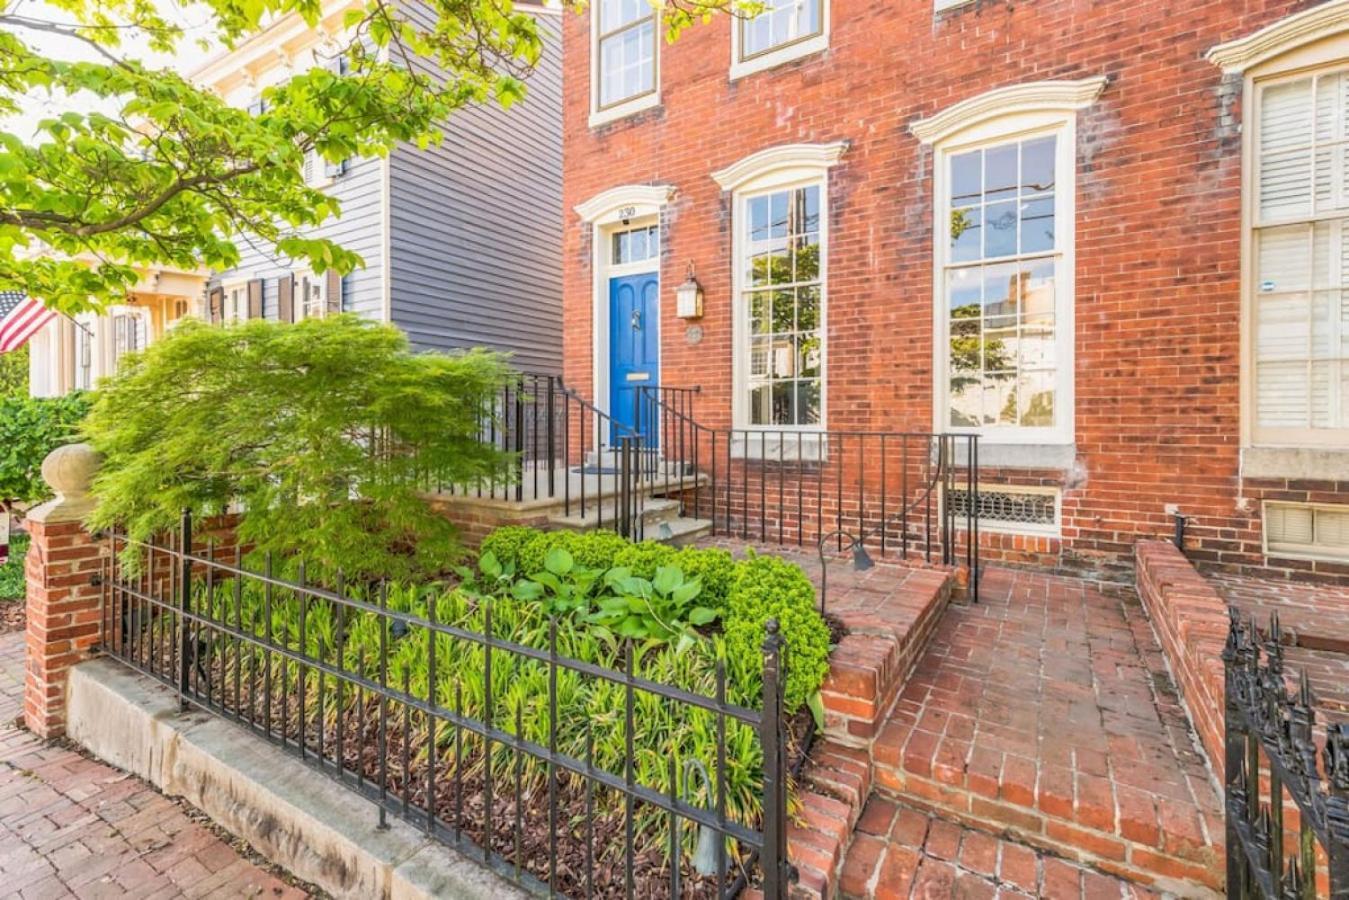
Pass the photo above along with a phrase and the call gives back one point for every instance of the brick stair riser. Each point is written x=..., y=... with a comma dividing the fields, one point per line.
x=1111, y=851
x=859, y=695
x=868, y=670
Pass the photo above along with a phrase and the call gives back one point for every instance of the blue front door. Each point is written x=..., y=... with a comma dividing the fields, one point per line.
x=634, y=349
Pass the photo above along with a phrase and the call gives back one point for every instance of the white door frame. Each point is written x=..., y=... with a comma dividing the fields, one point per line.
x=617, y=209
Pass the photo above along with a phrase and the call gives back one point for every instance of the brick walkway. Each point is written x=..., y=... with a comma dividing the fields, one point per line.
x=73, y=827
x=1046, y=711
x=900, y=852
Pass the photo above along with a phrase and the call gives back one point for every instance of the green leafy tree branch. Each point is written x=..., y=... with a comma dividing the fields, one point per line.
x=175, y=175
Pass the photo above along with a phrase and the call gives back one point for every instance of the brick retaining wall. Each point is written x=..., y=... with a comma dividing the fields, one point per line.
x=1190, y=621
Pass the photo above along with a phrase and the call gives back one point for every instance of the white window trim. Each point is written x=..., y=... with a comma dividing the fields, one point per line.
x=769, y=171
x=615, y=209
x=633, y=105
x=227, y=288
x=1001, y=116
x=1297, y=551
x=1291, y=48
x=785, y=53
x=300, y=302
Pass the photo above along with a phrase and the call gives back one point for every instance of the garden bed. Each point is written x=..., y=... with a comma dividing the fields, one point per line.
x=622, y=740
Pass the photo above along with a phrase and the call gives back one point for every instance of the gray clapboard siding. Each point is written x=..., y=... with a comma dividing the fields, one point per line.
x=359, y=190
x=476, y=224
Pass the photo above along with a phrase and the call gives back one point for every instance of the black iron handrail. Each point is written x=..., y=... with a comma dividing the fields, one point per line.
x=782, y=494
x=178, y=617
x=551, y=432
x=1270, y=737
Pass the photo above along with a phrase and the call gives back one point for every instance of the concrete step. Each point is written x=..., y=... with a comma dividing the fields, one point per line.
x=605, y=513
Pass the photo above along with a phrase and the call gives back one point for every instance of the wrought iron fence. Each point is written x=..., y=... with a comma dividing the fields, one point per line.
x=889, y=491
x=1271, y=759
x=488, y=735
x=562, y=449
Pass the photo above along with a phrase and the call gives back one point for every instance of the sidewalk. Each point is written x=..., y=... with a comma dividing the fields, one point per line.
x=73, y=827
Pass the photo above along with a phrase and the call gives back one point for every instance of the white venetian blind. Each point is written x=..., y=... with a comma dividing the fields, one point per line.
x=1302, y=255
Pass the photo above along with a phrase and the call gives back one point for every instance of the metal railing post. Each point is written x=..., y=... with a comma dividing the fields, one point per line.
x=777, y=871
x=184, y=606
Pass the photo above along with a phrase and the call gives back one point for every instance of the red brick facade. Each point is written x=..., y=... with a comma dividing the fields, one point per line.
x=1158, y=238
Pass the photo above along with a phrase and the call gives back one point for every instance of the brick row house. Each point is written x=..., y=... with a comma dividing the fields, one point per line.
x=1109, y=238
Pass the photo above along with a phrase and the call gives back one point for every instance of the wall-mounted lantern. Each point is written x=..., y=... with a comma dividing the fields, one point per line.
x=689, y=297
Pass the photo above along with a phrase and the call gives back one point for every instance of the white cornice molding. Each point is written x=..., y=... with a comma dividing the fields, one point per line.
x=645, y=197
x=1279, y=37
x=1035, y=96
x=773, y=159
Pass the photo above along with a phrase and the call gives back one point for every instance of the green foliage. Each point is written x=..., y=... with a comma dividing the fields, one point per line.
x=712, y=566
x=167, y=172
x=645, y=558
x=661, y=609
x=321, y=431
x=766, y=587
x=562, y=587
x=505, y=544
x=742, y=594
x=30, y=428
x=14, y=373
x=588, y=707
x=12, y=583
x=592, y=550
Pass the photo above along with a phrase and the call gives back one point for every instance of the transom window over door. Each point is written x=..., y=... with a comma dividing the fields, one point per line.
x=1001, y=283
x=1300, y=243
x=626, y=51
x=781, y=292
x=782, y=22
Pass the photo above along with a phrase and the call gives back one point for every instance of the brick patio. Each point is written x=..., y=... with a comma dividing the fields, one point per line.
x=1046, y=711
x=73, y=827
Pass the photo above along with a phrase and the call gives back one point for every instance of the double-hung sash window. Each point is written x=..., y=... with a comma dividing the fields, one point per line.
x=1001, y=294
x=625, y=47
x=1299, y=211
x=781, y=293
x=782, y=22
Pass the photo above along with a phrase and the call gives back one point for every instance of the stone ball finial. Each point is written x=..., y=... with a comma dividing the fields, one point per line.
x=70, y=470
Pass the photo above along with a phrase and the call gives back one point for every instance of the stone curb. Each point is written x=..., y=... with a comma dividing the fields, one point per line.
x=292, y=815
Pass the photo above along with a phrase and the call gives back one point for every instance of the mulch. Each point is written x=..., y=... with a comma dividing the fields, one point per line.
x=13, y=616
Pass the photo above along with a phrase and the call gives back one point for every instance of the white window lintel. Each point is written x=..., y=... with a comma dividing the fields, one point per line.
x=1032, y=97
x=1290, y=33
x=779, y=165
x=628, y=201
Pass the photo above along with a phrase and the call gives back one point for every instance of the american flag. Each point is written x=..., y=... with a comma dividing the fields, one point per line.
x=20, y=318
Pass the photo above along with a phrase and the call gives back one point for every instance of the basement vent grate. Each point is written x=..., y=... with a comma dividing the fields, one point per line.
x=1305, y=530
x=1004, y=508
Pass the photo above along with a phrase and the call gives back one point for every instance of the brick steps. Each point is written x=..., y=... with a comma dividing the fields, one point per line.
x=890, y=618
x=886, y=635
x=1172, y=854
